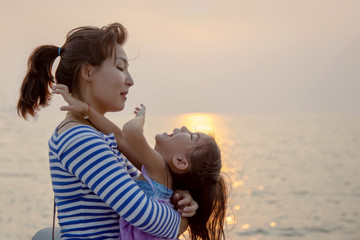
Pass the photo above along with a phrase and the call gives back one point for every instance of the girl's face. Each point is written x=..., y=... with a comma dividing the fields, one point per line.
x=109, y=84
x=180, y=141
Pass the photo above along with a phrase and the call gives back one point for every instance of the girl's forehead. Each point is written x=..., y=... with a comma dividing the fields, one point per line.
x=204, y=136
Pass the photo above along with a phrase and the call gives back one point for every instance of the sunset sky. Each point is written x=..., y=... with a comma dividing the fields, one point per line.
x=230, y=56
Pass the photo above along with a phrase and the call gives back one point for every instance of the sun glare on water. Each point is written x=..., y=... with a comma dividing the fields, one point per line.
x=200, y=122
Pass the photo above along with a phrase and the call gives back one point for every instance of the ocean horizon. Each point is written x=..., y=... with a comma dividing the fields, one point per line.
x=291, y=176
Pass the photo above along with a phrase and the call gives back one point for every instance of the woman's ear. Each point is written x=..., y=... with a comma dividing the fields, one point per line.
x=86, y=71
x=180, y=162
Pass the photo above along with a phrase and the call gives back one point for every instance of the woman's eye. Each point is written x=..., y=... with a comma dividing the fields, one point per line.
x=120, y=68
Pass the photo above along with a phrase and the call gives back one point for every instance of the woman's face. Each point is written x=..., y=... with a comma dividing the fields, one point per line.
x=109, y=84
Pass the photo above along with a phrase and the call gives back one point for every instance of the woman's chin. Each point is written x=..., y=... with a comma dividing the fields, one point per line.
x=116, y=109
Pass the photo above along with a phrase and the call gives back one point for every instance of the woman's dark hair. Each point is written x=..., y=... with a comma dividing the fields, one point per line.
x=83, y=45
x=208, y=188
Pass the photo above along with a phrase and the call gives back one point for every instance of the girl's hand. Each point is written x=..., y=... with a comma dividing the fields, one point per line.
x=140, y=111
x=184, y=203
x=75, y=105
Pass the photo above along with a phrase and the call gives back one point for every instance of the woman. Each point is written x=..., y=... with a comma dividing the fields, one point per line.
x=91, y=179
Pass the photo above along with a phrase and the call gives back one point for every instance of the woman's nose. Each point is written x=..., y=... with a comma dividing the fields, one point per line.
x=129, y=80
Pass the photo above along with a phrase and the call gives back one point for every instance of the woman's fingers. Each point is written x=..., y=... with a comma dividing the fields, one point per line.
x=187, y=206
x=190, y=211
x=185, y=214
x=186, y=198
x=176, y=197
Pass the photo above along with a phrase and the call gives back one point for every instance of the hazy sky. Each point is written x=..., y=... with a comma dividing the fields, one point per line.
x=269, y=56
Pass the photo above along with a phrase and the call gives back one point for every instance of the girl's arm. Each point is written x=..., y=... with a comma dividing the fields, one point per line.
x=101, y=122
x=135, y=140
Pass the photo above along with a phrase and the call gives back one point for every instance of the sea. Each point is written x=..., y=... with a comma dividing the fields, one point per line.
x=290, y=176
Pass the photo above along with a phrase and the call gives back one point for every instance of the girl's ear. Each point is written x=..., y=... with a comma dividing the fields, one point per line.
x=86, y=71
x=180, y=162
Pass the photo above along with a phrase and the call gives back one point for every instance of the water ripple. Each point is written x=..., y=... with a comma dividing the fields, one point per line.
x=17, y=175
x=258, y=231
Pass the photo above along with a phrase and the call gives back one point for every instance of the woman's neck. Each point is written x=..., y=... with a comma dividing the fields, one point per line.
x=72, y=116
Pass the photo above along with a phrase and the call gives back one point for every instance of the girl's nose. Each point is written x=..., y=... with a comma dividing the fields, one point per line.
x=176, y=130
x=184, y=129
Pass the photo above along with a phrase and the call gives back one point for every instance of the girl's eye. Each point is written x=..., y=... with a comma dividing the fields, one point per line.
x=120, y=68
x=194, y=134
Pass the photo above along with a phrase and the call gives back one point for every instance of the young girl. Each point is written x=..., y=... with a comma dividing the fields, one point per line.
x=179, y=160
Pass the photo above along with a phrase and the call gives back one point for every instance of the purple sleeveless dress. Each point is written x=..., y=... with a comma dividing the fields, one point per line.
x=157, y=192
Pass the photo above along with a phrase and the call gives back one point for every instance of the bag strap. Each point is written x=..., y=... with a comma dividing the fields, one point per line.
x=53, y=227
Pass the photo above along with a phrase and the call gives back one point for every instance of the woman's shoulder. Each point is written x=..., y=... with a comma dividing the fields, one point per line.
x=76, y=130
x=74, y=134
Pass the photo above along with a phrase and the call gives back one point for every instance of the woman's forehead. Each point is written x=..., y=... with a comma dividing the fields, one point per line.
x=120, y=51
x=120, y=54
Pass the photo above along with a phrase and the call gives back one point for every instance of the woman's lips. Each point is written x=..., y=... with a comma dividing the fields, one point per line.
x=123, y=94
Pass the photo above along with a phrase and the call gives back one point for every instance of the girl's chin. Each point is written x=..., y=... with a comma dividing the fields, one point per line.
x=158, y=137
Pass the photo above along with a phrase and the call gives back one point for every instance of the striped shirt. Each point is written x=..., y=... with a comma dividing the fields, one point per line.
x=93, y=184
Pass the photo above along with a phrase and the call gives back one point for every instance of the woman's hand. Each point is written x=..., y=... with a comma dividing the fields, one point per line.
x=75, y=105
x=184, y=203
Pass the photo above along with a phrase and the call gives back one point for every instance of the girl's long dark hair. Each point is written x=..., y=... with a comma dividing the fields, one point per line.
x=208, y=188
x=83, y=45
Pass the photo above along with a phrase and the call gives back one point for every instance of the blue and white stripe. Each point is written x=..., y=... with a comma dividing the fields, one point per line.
x=93, y=185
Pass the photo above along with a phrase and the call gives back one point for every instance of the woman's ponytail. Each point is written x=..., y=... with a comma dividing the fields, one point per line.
x=35, y=88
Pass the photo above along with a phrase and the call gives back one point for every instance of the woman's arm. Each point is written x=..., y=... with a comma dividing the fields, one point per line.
x=86, y=155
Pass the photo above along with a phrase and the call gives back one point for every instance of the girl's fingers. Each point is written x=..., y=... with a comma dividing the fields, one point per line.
x=67, y=97
x=62, y=89
x=60, y=86
x=63, y=94
x=64, y=108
